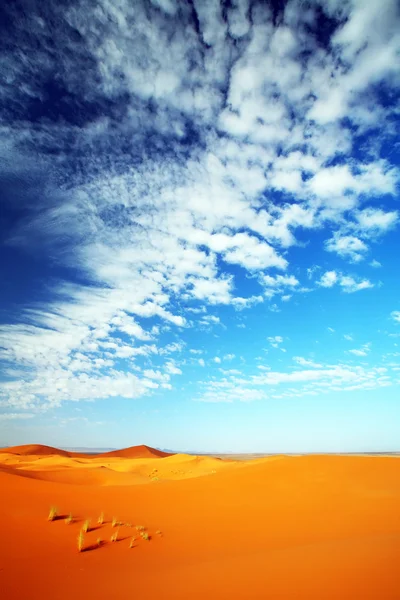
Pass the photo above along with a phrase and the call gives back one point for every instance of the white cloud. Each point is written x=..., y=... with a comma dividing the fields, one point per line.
x=278, y=284
x=375, y=264
x=311, y=271
x=217, y=359
x=242, y=303
x=316, y=381
x=215, y=291
x=15, y=416
x=172, y=347
x=201, y=362
x=254, y=255
x=275, y=340
x=126, y=324
x=363, y=351
x=304, y=362
x=210, y=320
x=230, y=371
x=367, y=43
x=172, y=369
x=348, y=283
x=347, y=246
x=328, y=279
x=339, y=187
x=358, y=352
x=395, y=315
x=169, y=6
x=376, y=219
x=157, y=375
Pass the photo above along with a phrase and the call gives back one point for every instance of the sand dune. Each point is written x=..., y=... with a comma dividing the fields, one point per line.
x=34, y=450
x=306, y=527
x=136, y=452
x=109, y=469
x=141, y=451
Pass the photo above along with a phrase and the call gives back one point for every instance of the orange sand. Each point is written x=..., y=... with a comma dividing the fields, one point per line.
x=306, y=527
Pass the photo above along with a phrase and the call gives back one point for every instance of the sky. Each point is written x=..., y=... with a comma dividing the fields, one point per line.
x=199, y=224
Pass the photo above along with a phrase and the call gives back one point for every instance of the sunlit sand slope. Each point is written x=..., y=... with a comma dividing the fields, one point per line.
x=307, y=527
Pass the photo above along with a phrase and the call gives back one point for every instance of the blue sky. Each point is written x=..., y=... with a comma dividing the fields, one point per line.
x=199, y=224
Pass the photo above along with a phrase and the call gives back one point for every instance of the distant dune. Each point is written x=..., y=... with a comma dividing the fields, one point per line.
x=141, y=451
x=35, y=450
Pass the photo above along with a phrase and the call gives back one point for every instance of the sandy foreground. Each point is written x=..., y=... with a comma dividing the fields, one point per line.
x=299, y=527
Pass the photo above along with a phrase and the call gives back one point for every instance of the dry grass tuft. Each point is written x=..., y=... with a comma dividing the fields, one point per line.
x=52, y=513
x=81, y=541
x=133, y=540
x=145, y=536
x=86, y=526
x=140, y=528
x=100, y=520
x=98, y=542
x=158, y=532
x=69, y=519
x=114, y=537
x=114, y=522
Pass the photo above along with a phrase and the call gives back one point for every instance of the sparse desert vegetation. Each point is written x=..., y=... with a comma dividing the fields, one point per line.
x=53, y=513
x=81, y=541
x=115, y=523
x=114, y=537
x=86, y=526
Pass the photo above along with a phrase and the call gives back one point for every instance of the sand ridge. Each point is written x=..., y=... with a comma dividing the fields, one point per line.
x=305, y=527
x=34, y=450
x=112, y=468
x=141, y=451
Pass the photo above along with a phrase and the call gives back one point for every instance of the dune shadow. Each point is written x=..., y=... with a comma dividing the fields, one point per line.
x=94, y=527
x=94, y=547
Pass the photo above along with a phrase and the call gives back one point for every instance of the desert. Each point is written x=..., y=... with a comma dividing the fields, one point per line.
x=304, y=527
x=199, y=300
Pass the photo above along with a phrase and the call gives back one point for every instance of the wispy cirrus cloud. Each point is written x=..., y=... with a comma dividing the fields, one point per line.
x=154, y=147
x=317, y=379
